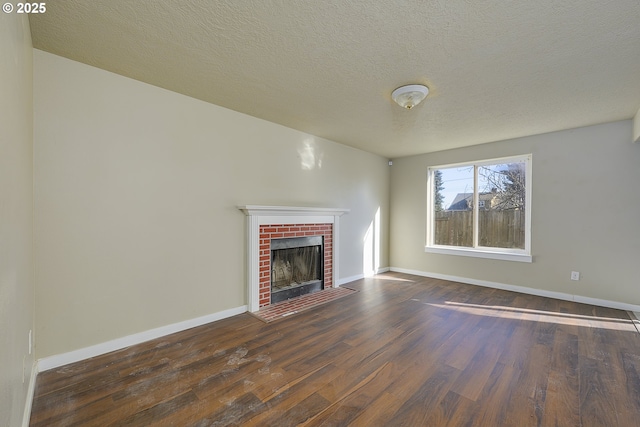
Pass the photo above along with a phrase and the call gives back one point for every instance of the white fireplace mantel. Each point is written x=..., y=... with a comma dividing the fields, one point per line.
x=257, y=210
x=262, y=215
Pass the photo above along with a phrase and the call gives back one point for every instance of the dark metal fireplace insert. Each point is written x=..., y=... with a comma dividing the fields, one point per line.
x=297, y=267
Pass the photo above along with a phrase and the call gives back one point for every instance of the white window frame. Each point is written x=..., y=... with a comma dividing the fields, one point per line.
x=507, y=254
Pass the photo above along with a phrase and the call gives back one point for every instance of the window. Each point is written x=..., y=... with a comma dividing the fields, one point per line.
x=481, y=209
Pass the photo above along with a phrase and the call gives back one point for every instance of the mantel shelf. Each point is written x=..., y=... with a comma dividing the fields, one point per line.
x=253, y=210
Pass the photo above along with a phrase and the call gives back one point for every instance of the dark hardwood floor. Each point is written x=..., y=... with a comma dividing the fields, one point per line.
x=403, y=351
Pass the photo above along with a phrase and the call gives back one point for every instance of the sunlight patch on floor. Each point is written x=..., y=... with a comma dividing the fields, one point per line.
x=505, y=312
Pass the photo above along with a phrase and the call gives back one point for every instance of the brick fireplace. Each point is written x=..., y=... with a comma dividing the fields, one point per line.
x=267, y=223
x=271, y=232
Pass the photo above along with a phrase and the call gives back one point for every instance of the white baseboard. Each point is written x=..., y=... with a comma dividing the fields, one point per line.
x=359, y=276
x=349, y=279
x=55, y=361
x=26, y=416
x=523, y=290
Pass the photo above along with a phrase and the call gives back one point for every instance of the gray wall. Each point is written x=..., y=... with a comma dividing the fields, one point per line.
x=16, y=215
x=136, y=191
x=585, y=214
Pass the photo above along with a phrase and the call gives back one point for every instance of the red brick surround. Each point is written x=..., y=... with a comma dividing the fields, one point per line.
x=279, y=231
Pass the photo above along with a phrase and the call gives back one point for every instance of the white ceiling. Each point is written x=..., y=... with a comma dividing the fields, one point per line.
x=496, y=69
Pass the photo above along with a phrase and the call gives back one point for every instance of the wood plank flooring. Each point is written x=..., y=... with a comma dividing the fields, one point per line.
x=404, y=351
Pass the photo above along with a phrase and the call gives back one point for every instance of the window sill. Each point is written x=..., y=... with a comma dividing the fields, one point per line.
x=479, y=253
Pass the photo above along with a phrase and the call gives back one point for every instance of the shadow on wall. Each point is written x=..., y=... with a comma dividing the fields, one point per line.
x=371, y=247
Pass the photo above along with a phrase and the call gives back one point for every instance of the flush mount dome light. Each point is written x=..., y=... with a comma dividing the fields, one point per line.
x=410, y=95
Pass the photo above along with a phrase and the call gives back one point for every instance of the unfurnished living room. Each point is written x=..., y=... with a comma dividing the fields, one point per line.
x=331, y=213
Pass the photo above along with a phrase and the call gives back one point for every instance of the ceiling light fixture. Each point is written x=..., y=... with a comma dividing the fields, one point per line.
x=410, y=95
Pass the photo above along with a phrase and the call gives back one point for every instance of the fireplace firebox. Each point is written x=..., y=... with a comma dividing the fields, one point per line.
x=297, y=267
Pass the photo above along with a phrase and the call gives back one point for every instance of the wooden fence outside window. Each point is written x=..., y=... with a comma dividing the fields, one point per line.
x=497, y=228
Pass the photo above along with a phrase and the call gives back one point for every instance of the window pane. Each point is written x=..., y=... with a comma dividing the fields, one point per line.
x=501, y=218
x=453, y=206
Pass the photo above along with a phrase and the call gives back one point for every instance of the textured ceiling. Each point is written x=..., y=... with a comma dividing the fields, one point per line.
x=496, y=69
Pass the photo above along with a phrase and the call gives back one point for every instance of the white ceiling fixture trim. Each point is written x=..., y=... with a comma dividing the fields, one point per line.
x=409, y=96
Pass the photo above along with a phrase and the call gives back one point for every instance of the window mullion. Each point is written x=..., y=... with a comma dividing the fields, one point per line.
x=431, y=216
x=476, y=204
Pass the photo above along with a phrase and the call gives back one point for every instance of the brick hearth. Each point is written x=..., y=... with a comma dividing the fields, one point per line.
x=301, y=303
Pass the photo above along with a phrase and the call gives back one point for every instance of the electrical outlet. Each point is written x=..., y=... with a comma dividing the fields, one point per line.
x=575, y=275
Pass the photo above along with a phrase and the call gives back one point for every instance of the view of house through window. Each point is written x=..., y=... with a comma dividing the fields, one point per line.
x=480, y=205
